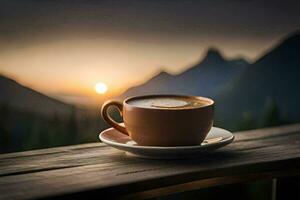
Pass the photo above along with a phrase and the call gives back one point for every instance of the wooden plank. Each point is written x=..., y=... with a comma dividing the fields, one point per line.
x=267, y=132
x=54, y=150
x=100, y=170
x=66, y=159
x=95, y=155
x=140, y=176
x=244, y=135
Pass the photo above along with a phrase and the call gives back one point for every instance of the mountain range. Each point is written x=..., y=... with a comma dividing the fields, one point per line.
x=25, y=99
x=207, y=77
x=274, y=78
x=32, y=120
x=238, y=87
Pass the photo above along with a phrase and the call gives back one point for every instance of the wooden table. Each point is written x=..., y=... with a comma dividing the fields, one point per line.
x=95, y=169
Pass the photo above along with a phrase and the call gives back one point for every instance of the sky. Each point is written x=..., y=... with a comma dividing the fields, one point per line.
x=63, y=48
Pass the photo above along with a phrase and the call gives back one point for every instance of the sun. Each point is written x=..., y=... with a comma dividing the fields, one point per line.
x=100, y=88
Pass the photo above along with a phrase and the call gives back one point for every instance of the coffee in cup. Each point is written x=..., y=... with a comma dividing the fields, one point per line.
x=172, y=103
x=163, y=120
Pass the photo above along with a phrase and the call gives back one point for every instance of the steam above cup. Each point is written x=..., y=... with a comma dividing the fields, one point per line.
x=163, y=120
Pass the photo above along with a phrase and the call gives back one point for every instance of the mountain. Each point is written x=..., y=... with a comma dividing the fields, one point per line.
x=272, y=79
x=206, y=78
x=266, y=90
x=19, y=97
x=32, y=120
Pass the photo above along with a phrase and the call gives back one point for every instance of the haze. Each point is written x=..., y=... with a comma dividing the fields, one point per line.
x=64, y=48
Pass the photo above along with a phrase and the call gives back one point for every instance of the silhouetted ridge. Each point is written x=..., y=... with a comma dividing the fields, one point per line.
x=5, y=79
x=23, y=98
x=272, y=78
x=163, y=74
x=213, y=55
x=205, y=78
x=292, y=39
x=160, y=76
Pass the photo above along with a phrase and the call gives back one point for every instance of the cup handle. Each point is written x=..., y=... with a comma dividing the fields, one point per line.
x=110, y=120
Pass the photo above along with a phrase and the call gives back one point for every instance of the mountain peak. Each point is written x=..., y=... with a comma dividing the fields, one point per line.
x=287, y=50
x=5, y=79
x=290, y=43
x=163, y=73
x=213, y=54
x=293, y=38
x=32, y=101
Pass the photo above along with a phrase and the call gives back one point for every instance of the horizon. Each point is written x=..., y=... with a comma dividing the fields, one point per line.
x=91, y=99
x=124, y=44
x=94, y=100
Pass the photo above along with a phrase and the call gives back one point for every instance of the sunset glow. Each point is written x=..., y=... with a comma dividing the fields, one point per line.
x=99, y=42
x=100, y=88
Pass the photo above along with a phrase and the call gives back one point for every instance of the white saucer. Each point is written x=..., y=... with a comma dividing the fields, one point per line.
x=215, y=139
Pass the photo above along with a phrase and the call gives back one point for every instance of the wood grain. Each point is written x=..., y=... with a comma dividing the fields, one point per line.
x=96, y=169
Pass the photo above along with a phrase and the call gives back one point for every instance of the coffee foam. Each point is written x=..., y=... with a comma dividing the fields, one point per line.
x=167, y=102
